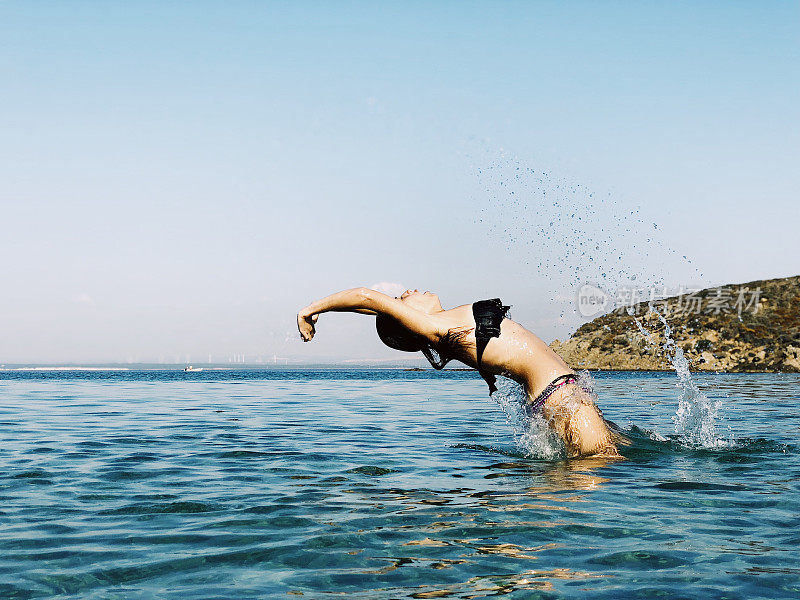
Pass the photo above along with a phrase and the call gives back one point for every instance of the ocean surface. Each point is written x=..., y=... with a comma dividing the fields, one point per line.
x=388, y=484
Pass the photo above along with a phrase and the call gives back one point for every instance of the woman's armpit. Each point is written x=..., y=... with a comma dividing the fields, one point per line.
x=458, y=336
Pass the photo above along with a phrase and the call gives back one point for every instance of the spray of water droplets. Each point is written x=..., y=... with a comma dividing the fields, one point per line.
x=569, y=233
x=696, y=417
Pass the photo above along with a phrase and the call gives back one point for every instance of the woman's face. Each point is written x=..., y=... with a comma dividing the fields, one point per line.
x=426, y=302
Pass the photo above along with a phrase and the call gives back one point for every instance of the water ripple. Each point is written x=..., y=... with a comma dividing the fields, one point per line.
x=377, y=485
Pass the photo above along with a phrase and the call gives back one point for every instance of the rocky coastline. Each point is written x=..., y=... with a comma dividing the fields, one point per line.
x=749, y=327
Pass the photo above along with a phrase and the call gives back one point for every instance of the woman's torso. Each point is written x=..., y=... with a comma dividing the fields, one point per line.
x=521, y=355
x=517, y=353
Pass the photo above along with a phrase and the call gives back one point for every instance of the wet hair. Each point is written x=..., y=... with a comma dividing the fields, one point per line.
x=395, y=335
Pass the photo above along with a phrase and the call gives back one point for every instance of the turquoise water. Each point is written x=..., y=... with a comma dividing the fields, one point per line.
x=386, y=484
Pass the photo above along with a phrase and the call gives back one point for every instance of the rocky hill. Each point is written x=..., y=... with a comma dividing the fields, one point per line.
x=753, y=326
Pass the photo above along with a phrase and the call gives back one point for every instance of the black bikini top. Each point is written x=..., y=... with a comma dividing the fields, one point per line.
x=488, y=316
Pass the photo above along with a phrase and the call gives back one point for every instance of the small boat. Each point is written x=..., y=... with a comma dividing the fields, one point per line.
x=191, y=369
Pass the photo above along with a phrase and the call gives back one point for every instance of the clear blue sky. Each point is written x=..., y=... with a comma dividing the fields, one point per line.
x=179, y=178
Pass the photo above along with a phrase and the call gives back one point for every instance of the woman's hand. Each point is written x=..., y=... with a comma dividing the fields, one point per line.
x=305, y=324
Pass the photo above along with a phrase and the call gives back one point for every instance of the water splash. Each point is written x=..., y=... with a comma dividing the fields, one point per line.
x=696, y=416
x=532, y=436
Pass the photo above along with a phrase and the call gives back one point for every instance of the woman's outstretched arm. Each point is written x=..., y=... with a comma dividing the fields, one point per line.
x=367, y=301
x=346, y=301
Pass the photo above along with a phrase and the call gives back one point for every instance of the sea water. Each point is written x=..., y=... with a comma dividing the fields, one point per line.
x=388, y=484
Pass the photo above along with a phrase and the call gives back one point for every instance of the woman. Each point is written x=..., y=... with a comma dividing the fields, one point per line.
x=480, y=336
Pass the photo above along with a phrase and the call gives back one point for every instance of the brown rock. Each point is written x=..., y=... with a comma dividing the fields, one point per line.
x=760, y=333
